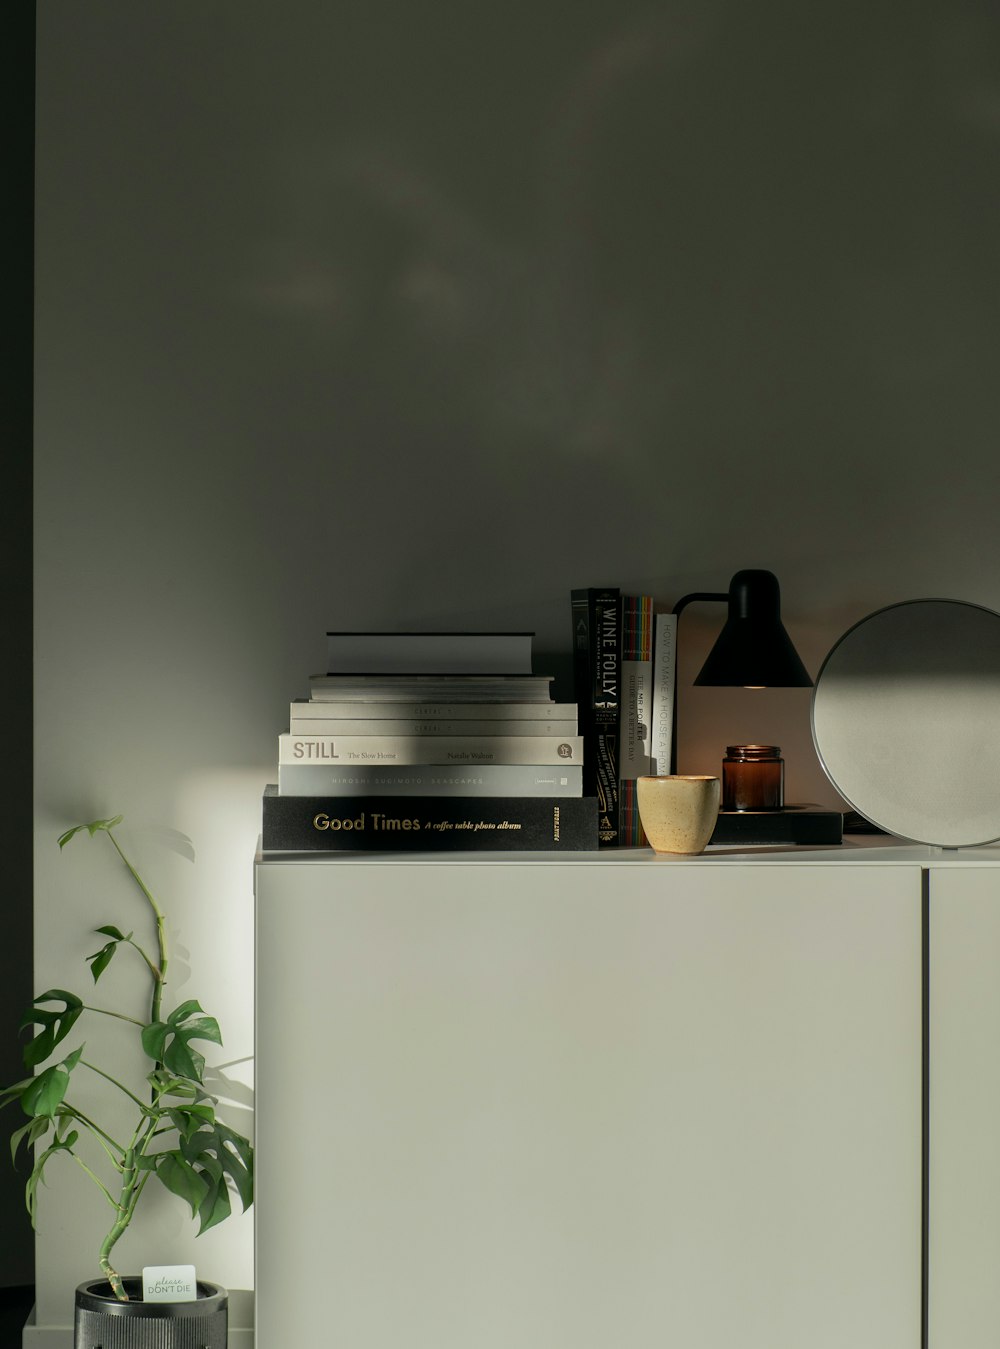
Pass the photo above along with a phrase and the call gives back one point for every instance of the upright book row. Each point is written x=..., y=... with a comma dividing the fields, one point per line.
x=624, y=666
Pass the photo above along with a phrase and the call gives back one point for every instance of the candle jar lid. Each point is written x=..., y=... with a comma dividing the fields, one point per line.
x=753, y=753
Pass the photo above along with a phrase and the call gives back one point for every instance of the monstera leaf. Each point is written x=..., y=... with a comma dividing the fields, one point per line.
x=169, y=1042
x=56, y=1025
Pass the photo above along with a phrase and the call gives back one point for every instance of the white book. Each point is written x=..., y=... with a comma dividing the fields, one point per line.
x=315, y=709
x=303, y=723
x=664, y=681
x=346, y=750
x=635, y=686
x=429, y=652
x=431, y=688
x=430, y=780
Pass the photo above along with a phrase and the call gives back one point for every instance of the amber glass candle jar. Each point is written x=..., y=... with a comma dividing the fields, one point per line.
x=753, y=778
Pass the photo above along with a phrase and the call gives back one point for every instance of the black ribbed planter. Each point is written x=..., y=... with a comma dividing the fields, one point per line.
x=102, y=1322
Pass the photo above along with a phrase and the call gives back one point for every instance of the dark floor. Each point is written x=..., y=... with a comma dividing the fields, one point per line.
x=15, y=1304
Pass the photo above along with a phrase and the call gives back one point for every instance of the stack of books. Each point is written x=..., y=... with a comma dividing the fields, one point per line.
x=430, y=740
x=624, y=671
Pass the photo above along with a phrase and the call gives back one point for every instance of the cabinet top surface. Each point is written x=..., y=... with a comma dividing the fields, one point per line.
x=865, y=849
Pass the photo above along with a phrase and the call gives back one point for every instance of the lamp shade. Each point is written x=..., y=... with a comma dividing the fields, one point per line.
x=753, y=650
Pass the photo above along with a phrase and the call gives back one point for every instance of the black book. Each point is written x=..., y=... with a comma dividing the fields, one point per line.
x=806, y=825
x=427, y=823
x=597, y=676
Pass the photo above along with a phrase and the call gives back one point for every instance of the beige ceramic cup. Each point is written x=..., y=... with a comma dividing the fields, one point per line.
x=678, y=812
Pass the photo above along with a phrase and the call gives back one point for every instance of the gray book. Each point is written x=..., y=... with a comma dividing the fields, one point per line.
x=430, y=780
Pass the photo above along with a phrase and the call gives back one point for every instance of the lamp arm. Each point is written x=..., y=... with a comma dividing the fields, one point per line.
x=685, y=600
x=682, y=603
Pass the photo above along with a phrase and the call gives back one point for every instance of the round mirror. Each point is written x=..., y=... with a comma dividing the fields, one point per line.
x=906, y=721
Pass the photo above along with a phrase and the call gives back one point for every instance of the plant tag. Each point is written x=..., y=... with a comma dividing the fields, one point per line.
x=169, y=1283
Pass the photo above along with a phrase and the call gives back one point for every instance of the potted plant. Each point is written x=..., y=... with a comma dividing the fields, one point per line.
x=174, y=1134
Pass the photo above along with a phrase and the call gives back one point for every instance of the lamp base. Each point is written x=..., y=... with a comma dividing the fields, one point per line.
x=793, y=824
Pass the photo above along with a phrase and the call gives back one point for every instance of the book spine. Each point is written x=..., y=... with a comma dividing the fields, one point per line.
x=429, y=824
x=635, y=712
x=430, y=780
x=596, y=665
x=438, y=692
x=345, y=751
x=664, y=681
x=466, y=688
x=302, y=723
x=356, y=708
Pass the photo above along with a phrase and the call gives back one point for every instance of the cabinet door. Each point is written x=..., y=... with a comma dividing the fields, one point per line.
x=964, y=1070
x=573, y=1106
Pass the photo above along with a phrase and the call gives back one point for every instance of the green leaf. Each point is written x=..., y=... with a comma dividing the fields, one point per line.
x=169, y=1042
x=93, y=828
x=101, y=959
x=219, y=1151
x=154, y=1037
x=180, y=1178
x=237, y=1159
x=188, y=1119
x=31, y=1189
x=64, y=1129
x=182, y=1012
x=216, y=1205
x=46, y=1092
x=56, y=1025
x=166, y=1084
x=208, y=1160
x=30, y=1133
x=15, y=1092
x=71, y=1060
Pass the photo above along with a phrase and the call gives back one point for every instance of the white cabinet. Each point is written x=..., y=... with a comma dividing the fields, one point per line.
x=550, y=1103
x=964, y=1075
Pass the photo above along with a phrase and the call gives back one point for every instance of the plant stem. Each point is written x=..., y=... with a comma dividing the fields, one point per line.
x=133, y=1181
x=96, y=1179
x=119, y=1016
x=114, y=1082
x=105, y=1140
x=158, y=971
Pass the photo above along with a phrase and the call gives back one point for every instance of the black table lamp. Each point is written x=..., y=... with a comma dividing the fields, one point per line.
x=753, y=650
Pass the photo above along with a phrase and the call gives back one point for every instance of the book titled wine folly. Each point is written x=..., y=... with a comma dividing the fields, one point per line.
x=347, y=750
x=596, y=672
x=427, y=824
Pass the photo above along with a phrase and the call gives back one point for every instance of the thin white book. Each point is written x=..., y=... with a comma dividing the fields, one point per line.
x=429, y=652
x=329, y=709
x=302, y=723
x=664, y=682
x=346, y=750
x=472, y=688
x=430, y=780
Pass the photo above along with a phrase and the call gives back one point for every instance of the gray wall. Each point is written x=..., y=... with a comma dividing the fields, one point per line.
x=395, y=314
